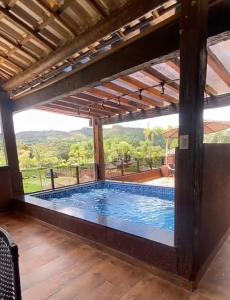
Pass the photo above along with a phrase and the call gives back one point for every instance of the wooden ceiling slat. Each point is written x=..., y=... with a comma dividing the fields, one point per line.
x=77, y=106
x=8, y=14
x=98, y=103
x=62, y=112
x=125, y=103
x=11, y=63
x=18, y=46
x=142, y=100
x=131, y=100
x=93, y=96
x=104, y=11
x=74, y=111
x=7, y=70
x=132, y=10
x=56, y=16
x=218, y=67
x=151, y=91
x=159, y=77
x=4, y=75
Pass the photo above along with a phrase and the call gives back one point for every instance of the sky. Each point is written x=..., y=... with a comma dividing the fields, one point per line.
x=36, y=120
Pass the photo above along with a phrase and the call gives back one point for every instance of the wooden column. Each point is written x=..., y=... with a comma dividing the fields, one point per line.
x=98, y=151
x=7, y=125
x=193, y=63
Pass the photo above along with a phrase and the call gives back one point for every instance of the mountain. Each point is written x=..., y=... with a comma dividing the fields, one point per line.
x=34, y=137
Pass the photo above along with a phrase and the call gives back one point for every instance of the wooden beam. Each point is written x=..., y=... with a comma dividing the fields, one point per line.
x=66, y=113
x=93, y=99
x=175, y=65
x=211, y=102
x=153, y=92
x=130, y=56
x=218, y=67
x=99, y=105
x=133, y=10
x=139, y=115
x=98, y=151
x=97, y=109
x=135, y=97
x=54, y=15
x=189, y=167
x=75, y=110
x=7, y=125
x=127, y=104
x=18, y=22
x=159, y=77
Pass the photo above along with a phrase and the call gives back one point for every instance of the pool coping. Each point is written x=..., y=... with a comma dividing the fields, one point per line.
x=148, y=232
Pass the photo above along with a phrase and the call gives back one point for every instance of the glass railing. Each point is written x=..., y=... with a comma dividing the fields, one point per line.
x=42, y=179
x=126, y=167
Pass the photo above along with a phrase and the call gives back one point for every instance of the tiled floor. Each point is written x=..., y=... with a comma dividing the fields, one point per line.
x=55, y=266
x=163, y=181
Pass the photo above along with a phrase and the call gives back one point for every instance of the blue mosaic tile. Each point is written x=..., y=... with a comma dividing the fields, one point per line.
x=145, y=190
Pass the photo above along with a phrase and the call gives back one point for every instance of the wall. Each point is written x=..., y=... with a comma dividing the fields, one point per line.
x=215, y=206
x=5, y=188
x=139, y=177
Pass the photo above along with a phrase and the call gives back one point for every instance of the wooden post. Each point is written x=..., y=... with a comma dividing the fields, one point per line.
x=52, y=179
x=7, y=125
x=193, y=64
x=78, y=174
x=98, y=151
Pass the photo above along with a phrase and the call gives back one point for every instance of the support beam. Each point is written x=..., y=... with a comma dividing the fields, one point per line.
x=7, y=125
x=193, y=64
x=135, y=9
x=98, y=151
x=212, y=102
x=126, y=58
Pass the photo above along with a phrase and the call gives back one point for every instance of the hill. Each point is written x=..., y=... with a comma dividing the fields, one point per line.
x=34, y=137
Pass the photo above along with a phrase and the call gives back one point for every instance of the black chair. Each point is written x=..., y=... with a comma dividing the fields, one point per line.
x=10, y=288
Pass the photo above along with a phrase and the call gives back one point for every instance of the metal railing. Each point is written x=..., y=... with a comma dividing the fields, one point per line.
x=122, y=167
x=41, y=179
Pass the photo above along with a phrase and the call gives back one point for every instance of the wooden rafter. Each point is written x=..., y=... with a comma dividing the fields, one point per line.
x=132, y=10
x=74, y=111
x=124, y=103
x=124, y=58
x=102, y=107
x=30, y=32
x=175, y=65
x=90, y=99
x=90, y=107
x=151, y=91
x=159, y=77
x=136, y=97
x=55, y=16
x=62, y=112
x=16, y=46
x=218, y=67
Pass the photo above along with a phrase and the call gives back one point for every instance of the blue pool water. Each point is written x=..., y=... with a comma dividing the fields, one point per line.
x=134, y=203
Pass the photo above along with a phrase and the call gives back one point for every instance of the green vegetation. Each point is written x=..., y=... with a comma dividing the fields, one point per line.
x=41, y=150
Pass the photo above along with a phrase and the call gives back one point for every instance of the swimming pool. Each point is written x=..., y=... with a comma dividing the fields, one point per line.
x=134, y=204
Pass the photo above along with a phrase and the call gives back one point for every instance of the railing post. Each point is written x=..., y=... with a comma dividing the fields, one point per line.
x=122, y=168
x=52, y=179
x=78, y=174
x=138, y=165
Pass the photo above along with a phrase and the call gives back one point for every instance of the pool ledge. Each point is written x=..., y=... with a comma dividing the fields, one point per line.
x=140, y=230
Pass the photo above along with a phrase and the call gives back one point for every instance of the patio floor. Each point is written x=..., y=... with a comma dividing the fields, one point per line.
x=163, y=181
x=56, y=266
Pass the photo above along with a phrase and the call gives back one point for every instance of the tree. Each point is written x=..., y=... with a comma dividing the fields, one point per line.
x=149, y=134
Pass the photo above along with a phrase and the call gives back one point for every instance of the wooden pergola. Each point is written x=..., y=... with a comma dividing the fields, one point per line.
x=115, y=61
